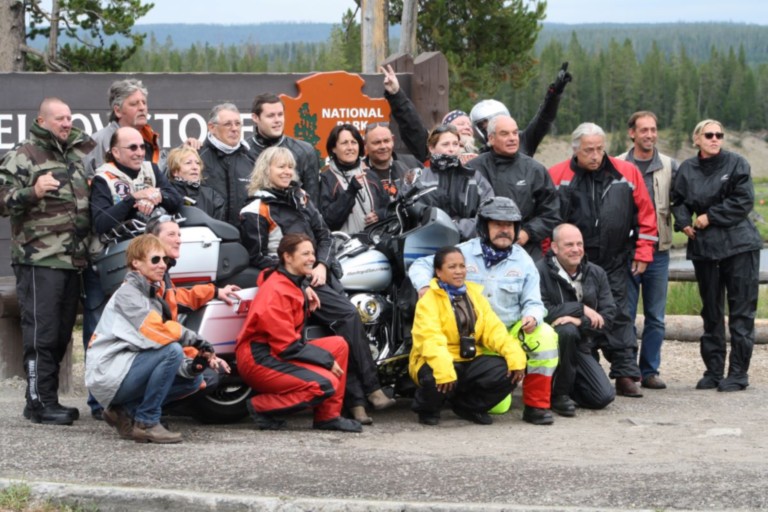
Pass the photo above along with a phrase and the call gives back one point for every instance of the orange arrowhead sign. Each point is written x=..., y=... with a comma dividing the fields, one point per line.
x=329, y=99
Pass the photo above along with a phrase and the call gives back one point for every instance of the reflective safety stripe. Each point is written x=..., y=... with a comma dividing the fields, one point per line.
x=648, y=237
x=543, y=358
x=541, y=370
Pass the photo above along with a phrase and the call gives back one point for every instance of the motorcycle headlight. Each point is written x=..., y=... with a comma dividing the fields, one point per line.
x=369, y=307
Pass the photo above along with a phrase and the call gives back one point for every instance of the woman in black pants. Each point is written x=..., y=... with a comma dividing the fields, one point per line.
x=277, y=207
x=711, y=200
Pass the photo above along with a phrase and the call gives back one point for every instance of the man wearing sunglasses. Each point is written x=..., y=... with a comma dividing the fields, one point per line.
x=581, y=309
x=125, y=187
x=607, y=200
x=44, y=190
x=658, y=172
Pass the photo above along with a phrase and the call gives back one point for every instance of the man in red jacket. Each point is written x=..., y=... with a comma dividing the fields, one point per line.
x=607, y=200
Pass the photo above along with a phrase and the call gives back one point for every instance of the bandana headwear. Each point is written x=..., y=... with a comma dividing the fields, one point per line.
x=492, y=256
x=441, y=163
x=452, y=115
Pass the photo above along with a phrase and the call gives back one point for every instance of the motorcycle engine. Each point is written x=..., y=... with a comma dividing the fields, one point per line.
x=369, y=306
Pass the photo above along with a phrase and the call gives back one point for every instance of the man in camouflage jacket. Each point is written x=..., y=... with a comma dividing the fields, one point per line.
x=44, y=190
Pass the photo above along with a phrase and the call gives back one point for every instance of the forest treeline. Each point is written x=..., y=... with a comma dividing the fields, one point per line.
x=680, y=76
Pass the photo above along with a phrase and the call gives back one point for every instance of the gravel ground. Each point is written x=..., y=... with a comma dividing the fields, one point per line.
x=673, y=449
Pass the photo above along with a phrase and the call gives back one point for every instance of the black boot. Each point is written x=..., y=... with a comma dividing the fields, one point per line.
x=54, y=414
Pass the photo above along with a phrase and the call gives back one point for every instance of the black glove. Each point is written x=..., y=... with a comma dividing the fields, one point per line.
x=203, y=346
x=561, y=80
x=197, y=365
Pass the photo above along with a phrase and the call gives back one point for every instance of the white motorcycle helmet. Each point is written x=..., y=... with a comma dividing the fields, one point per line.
x=482, y=112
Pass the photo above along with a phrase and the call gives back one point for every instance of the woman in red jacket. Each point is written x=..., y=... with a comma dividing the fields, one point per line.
x=289, y=372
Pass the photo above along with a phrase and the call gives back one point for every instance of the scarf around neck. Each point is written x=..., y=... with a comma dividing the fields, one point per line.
x=224, y=148
x=491, y=255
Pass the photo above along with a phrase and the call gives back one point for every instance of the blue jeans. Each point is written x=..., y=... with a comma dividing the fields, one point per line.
x=93, y=305
x=654, y=283
x=153, y=381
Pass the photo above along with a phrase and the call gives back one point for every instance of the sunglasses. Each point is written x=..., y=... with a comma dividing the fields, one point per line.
x=133, y=147
x=526, y=348
x=157, y=259
x=380, y=124
x=445, y=128
x=717, y=135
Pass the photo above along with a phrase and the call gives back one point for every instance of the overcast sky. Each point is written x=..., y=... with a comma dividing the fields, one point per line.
x=558, y=11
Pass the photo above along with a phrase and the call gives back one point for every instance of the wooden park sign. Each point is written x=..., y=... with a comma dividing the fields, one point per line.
x=329, y=99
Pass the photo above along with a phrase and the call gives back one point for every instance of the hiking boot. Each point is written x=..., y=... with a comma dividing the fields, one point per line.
x=537, y=416
x=479, y=417
x=563, y=405
x=55, y=414
x=265, y=421
x=733, y=383
x=359, y=414
x=708, y=382
x=653, y=382
x=143, y=433
x=625, y=386
x=339, y=424
x=380, y=400
x=117, y=418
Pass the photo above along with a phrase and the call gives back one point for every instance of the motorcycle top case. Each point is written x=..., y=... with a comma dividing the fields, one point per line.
x=200, y=256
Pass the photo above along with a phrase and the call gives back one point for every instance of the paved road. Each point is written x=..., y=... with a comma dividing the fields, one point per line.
x=673, y=449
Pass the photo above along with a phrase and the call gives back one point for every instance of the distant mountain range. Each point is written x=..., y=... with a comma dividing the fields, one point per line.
x=670, y=37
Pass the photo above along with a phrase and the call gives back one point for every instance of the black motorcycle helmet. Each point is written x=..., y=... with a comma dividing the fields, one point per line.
x=501, y=209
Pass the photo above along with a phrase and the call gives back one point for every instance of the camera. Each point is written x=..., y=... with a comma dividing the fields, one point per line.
x=467, y=349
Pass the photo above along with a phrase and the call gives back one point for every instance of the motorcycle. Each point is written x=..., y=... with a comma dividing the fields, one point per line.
x=374, y=264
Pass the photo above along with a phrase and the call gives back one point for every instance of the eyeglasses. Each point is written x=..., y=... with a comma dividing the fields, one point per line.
x=155, y=260
x=380, y=124
x=717, y=135
x=231, y=124
x=526, y=348
x=133, y=147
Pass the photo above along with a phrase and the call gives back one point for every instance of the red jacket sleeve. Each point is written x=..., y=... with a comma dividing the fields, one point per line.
x=648, y=234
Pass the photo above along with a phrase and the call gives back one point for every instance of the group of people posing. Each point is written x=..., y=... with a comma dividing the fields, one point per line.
x=549, y=272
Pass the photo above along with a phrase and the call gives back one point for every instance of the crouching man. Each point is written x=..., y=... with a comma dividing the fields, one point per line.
x=580, y=307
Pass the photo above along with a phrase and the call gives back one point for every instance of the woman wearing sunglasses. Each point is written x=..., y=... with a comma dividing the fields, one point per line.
x=454, y=333
x=134, y=360
x=712, y=197
x=460, y=189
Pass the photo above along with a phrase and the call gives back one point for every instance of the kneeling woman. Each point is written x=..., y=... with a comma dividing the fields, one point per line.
x=454, y=332
x=134, y=359
x=288, y=372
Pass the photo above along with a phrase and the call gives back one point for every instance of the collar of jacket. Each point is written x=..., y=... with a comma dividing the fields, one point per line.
x=137, y=280
x=655, y=164
x=503, y=159
x=607, y=167
x=46, y=139
x=133, y=173
x=713, y=162
x=260, y=141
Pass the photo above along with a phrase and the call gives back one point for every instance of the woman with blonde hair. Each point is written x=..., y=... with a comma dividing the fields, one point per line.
x=277, y=207
x=712, y=197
